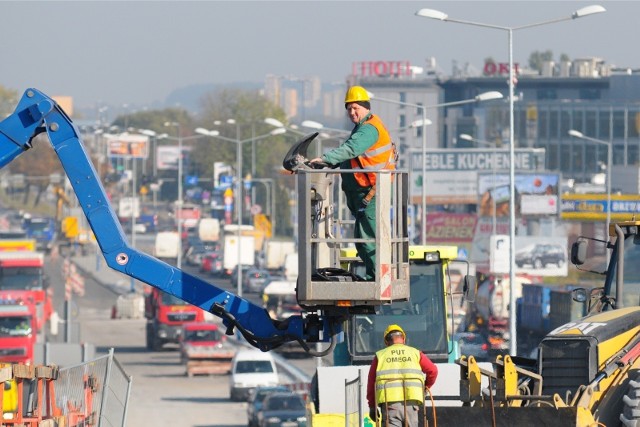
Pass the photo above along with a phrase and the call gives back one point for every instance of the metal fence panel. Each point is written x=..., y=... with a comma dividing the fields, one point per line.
x=353, y=402
x=99, y=388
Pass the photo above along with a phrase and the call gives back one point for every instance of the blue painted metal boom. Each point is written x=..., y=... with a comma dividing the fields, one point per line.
x=37, y=113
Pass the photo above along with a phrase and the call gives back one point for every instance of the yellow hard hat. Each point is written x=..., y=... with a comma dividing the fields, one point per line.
x=355, y=94
x=394, y=328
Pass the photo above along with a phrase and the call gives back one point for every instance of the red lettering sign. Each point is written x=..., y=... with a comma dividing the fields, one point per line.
x=381, y=68
x=502, y=68
x=450, y=228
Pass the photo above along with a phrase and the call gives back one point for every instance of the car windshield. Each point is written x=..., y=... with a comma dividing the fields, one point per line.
x=15, y=326
x=253, y=366
x=264, y=392
x=279, y=403
x=202, y=335
x=26, y=278
x=168, y=299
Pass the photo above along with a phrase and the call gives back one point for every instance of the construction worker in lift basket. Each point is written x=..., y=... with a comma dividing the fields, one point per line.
x=369, y=148
x=397, y=379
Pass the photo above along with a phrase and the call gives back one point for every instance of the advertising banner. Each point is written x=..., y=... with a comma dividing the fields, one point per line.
x=593, y=207
x=535, y=255
x=451, y=175
x=167, y=157
x=127, y=146
x=536, y=194
x=448, y=228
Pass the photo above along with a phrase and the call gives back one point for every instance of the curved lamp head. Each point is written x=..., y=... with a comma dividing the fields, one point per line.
x=487, y=96
x=274, y=122
x=433, y=14
x=576, y=133
x=420, y=122
x=206, y=132
x=589, y=10
x=147, y=132
x=311, y=124
x=465, y=136
x=278, y=131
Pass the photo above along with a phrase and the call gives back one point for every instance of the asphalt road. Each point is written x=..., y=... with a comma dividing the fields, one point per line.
x=161, y=394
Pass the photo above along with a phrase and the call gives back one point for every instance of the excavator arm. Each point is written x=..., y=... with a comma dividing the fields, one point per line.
x=36, y=113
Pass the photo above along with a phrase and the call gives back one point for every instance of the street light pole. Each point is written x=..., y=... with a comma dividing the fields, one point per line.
x=468, y=137
x=441, y=16
x=485, y=96
x=238, y=142
x=180, y=140
x=179, y=201
x=609, y=145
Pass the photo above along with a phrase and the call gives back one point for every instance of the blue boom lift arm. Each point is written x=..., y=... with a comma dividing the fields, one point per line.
x=36, y=113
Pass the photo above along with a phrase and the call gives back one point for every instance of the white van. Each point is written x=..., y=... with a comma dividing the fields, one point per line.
x=250, y=369
x=167, y=246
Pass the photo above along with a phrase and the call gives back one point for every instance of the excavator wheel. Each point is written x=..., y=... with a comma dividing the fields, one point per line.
x=630, y=416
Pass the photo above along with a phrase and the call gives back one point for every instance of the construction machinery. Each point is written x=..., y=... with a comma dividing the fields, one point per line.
x=586, y=371
x=327, y=302
x=73, y=236
x=424, y=318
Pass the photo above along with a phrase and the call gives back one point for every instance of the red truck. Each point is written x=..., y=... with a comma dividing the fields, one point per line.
x=22, y=278
x=204, y=349
x=166, y=316
x=18, y=332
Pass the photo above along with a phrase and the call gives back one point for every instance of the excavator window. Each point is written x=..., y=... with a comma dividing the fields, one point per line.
x=422, y=317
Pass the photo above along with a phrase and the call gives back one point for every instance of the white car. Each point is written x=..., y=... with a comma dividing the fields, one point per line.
x=251, y=369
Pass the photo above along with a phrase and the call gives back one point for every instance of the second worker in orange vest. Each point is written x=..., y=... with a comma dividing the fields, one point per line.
x=369, y=147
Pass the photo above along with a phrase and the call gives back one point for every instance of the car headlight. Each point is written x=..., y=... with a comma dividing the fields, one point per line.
x=273, y=420
x=301, y=419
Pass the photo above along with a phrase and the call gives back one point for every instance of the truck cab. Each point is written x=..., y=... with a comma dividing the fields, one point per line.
x=18, y=332
x=166, y=316
x=43, y=230
x=22, y=278
x=204, y=349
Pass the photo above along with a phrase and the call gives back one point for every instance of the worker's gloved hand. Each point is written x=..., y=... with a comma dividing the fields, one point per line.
x=363, y=208
x=373, y=414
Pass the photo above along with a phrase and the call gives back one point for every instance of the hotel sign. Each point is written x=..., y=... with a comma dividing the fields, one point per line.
x=381, y=68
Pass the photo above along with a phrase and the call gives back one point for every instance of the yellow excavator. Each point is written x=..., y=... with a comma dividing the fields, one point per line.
x=585, y=373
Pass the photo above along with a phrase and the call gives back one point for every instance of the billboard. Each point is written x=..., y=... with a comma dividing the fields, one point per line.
x=167, y=157
x=450, y=228
x=451, y=175
x=534, y=255
x=593, y=207
x=127, y=146
x=536, y=194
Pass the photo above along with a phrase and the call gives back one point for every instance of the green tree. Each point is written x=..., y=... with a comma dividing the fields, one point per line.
x=8, y=101
x=248, y=109
x=537, y=58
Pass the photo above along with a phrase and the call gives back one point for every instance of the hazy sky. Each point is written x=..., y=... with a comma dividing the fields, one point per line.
x=137, y=52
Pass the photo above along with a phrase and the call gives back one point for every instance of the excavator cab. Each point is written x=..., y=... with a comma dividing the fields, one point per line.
x=325, y=227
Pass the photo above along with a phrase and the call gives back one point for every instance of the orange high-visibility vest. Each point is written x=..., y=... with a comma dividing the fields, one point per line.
x=381, y=155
